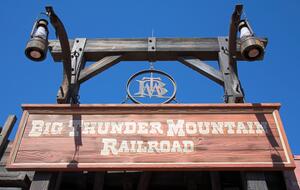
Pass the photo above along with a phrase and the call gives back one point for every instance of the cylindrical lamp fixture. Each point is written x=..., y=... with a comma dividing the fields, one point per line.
x=37, y=46
x=251, y=47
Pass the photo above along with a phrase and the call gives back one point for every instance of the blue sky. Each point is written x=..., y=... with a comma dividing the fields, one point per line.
x=275, y=79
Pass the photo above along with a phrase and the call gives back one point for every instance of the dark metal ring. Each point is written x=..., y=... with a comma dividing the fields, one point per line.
x=151, y=71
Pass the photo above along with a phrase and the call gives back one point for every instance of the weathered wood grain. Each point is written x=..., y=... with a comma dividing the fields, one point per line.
x=203, y=68
x=5, y=132
x=137, y=49
x=98, y=67
x=219, y=150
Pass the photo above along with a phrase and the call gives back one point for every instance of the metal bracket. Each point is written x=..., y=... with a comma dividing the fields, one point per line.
x=232, y=87
x=77, y=63
x=152, y=48
x=151, y=44
x=77, y=58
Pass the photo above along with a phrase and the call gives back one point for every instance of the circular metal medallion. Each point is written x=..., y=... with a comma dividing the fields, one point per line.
x=151, y=87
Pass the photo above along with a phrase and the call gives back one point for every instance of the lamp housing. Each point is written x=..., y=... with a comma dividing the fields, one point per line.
x=37, y=46
x=251, y=47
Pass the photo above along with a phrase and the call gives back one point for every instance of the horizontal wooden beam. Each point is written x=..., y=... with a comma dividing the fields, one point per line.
x=167, y=49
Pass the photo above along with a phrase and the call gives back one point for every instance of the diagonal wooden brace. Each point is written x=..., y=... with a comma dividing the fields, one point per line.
x=203, y=68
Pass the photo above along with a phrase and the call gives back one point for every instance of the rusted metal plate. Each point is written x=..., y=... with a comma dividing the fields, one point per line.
x=151, y=137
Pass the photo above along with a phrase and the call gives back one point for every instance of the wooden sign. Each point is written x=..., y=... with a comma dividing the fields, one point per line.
x=151, y=137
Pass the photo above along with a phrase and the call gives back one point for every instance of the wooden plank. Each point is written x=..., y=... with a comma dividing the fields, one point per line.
x=7, y=128
x=203, y=68
x=235, y=19
x=151, y=137
x=63, y=93
x=136, y=49
x=98, y=67
x=11, y=179
x=77, y=63
x=68, y=91
x=14, y=179
x=63, y=41
x=233, y=92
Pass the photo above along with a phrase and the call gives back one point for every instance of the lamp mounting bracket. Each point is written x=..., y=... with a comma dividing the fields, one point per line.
x=77, y=64
x=152, y=49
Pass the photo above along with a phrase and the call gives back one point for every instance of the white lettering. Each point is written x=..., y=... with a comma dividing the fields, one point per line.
x=217, y=128
x=56, y=128
x=109, y=145
x=37, y=128
x=191, y=128
x=175, y=129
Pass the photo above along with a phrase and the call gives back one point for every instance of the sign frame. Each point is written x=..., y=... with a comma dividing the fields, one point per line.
x=65, y=109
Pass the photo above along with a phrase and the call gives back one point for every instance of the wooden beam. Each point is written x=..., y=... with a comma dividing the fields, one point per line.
x=233, y=92
x=77, y=60
x=61, y=33
x=203, y=68
x=78, y=63
x=235, y=19
x=98, y=67
x=7, y=128
x=68, y=90
x=233, y=30
x=63, y=93
x=167, y=49
x=290, y=179
x=13, y=179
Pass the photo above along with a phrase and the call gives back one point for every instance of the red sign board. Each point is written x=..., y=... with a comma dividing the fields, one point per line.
x=154, y=137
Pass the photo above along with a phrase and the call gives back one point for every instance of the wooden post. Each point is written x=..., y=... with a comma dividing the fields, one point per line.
x=77, y=64
x=5, y=132
x=232, y=87
x=291, y=182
